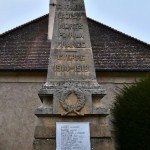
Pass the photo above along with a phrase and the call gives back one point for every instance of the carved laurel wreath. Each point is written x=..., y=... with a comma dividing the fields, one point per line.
x=75, y=108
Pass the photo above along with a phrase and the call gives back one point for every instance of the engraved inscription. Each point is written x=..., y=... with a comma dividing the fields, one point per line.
x=71, y=57
x=73, y=7
x=71, y=44
x=70, y=15
x=62, y=68
x=70, y=5
x=68, y=26
x=68, y=37
x=81, y=68
x=73, y=136
x=71, y=35
x=67, y=68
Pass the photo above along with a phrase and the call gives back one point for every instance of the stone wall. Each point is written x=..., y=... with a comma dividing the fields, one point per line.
x=19, y=99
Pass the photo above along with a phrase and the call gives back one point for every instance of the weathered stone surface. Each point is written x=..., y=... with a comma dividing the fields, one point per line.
x=50, y=144
x=71, y=56
x=71, y=78
x=71, y=93
x=102, y=144
x=44, y=144
x=51, y=120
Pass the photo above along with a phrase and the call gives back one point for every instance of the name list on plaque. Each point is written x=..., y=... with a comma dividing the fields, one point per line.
x=73, y=136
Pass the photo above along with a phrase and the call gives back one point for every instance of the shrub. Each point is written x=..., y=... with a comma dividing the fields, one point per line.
x=131, y=116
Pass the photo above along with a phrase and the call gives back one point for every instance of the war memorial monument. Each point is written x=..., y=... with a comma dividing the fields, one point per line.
x=70, y=117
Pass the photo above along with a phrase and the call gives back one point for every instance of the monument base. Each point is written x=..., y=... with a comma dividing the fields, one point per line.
x=45, y=131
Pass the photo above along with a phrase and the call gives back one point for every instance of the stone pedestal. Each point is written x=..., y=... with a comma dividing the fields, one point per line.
x=45, y=132
x=51, y=112
x=71, y=93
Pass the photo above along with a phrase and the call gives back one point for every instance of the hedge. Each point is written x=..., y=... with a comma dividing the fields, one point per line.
x=131, y=116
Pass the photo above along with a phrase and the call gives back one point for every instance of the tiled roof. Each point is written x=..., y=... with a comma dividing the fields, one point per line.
x=27, y=48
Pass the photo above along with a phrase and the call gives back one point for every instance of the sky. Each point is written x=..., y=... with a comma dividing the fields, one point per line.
x=128, y=16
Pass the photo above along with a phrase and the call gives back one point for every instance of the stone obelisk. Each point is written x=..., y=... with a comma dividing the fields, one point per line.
x=71, y=93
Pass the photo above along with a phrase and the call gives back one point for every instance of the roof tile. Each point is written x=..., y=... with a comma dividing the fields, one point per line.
x=27, y=47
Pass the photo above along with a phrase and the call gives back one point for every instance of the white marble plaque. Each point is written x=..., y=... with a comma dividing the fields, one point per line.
x=73, y=136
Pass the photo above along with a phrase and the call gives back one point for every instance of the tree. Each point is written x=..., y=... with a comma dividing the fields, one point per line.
x=131, y=116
